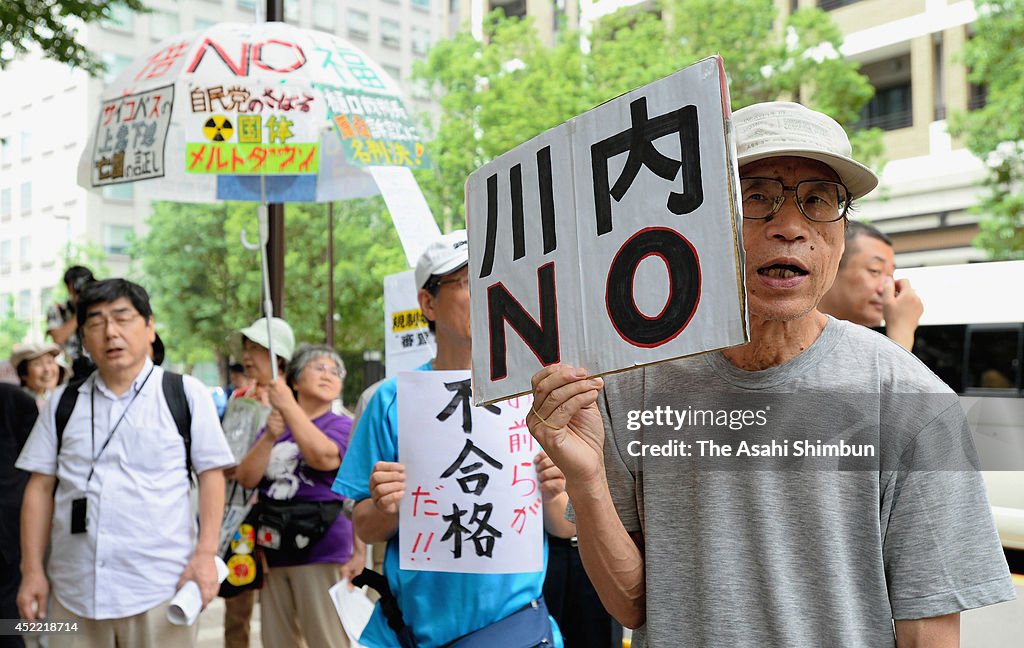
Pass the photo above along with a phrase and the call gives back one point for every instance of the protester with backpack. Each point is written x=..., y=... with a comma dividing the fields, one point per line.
x=118, y=519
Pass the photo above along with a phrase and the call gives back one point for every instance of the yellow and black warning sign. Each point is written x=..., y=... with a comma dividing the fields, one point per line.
x=218, y=128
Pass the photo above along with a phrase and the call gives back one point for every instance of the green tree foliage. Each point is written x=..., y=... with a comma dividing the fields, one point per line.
x=995, y=132
x=501, y=92
x=205, y=284
x=50, y=25
x=12, y=329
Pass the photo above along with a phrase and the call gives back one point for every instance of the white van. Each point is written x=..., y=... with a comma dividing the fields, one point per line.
x=972, y=336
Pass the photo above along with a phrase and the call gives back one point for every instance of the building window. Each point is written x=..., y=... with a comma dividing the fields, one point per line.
x=5, y=304
x=121, y=19
x=292, y=14
x=45, y=299
x=124, y=191
x=117, y=238
x=420, y=38
x=26, y=197
x=26, y=145
x=390, y=33
x=358, y=24
x=6, y=150
x=422, y=5
x=511, y=8
x=203, y=23
x=323, y=14
x=393, y=71
x=829, y=5
x=248, y=5
x=163, y=24
x=25, y=251
x=891, y=108
x=116, y=64
x=6, y=207
x=453, y=7
x=5, y=256
x=977, y=96
x=24, y=308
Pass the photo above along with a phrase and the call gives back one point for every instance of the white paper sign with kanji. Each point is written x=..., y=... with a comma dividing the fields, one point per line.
x=408, y=342
x=472, y=501
x=611, y=241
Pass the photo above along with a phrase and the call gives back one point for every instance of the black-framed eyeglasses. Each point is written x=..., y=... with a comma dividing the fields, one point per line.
x=821, y=201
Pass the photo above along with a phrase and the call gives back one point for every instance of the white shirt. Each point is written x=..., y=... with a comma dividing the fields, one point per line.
x=140, y=529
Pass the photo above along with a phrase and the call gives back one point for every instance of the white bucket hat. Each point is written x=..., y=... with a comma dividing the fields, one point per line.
x=445, y=255
x=280, y=334
x=781, y=128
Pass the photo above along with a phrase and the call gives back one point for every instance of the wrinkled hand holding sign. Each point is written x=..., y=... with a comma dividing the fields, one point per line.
x=611, y=241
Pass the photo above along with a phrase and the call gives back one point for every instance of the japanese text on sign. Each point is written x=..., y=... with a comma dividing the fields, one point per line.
x=375, y=129
x=252, y=159
x=130, y=136
x=474, y=504
x=644, y=241
x=408, y=342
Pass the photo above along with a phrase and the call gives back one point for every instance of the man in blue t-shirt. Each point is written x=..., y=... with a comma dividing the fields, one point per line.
x=438, y=607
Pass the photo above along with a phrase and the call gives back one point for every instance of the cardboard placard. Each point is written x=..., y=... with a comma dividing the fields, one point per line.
x=611, y=241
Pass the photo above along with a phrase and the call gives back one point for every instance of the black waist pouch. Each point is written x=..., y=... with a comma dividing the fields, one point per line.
x=288, y=530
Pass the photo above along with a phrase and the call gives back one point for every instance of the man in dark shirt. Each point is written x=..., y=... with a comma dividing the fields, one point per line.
x=18, y=414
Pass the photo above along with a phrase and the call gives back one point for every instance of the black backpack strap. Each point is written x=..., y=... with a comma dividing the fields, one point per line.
x=388, y=605
x=65, y=406
x=174, y=393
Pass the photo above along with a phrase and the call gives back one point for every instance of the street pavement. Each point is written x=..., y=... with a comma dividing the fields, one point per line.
x=211, y=626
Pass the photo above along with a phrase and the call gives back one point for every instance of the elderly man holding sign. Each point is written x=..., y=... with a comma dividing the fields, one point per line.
x=446, y=567
x=783, y=541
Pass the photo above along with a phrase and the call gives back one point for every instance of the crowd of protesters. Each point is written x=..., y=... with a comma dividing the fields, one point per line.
x=129, y=469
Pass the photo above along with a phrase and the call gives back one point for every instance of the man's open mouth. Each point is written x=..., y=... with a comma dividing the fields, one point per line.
x=781, y=271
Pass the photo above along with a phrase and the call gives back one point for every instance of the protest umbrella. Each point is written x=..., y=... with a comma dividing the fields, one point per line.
x=263, y=112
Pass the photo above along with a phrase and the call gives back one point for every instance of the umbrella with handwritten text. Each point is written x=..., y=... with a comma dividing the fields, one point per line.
x=263, y=112
x=266, y=112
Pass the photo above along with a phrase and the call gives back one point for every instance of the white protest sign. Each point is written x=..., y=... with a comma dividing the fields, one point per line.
x=472, y=502
x=130, y=134
x=636, y=260
x=408, y=342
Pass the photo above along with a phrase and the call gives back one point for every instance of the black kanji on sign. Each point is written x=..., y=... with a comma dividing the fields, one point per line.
x=638, y=139
x=547, y=211
x=462, y=391
x=474, y=483
x=483, y=537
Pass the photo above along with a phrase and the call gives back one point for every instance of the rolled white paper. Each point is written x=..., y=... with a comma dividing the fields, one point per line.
x=187, y=603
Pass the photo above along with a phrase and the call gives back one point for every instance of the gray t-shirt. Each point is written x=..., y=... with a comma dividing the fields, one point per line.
x=775, y=554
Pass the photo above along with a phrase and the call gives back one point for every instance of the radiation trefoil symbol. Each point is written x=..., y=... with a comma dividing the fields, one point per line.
x=218, y=128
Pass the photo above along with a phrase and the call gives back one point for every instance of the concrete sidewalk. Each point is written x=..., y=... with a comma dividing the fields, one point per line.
x=211, y=626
